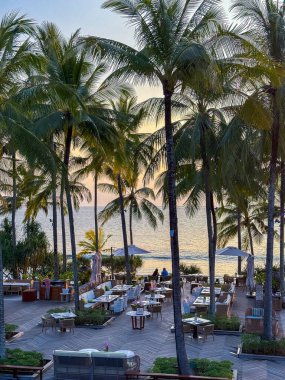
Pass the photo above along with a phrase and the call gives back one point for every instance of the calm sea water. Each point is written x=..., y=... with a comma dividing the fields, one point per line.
x=192, y=239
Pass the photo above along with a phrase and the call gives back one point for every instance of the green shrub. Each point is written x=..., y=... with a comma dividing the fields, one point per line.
x=206, y=367
x=25, y=358
x=254, y=344
x=118, y=263
x=91, y=317
x=200, y=367
x=165, y=365
x=58, y=310
x=10, y=328
x=189, y=269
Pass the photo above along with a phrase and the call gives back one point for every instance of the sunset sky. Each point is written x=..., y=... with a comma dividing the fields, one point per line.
x=87, y=15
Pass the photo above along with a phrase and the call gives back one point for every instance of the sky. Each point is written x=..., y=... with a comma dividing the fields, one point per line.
x=91, y=19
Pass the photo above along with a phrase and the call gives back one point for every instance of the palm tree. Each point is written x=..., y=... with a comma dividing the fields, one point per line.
x=166, y=35
x=129, y=154
x=14, y=58
x=90, y=243
x=267, y=33
x=252, y=216
x=136, y=200
x=63, y=95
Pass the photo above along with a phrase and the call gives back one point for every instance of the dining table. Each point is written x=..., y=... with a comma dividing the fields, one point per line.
x=63, y=315
x=107, y=300
x=138, y=319
x=123, y=287
x=162, y=289
x=154, y=296
x=195, y=322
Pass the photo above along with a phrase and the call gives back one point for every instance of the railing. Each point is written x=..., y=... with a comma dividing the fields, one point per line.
x=163, y=376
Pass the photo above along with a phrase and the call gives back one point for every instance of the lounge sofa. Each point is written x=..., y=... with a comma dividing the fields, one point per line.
x=91, y=364
x=223, y=305
x=87, y=298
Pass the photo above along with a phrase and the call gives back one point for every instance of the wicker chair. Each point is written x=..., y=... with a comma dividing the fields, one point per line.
x=47, y=322
x=168, y=295
x=201, y=309
x=187, y=328
x=204, y=331
x=66, y=324
x=155, y=309
x=255, y=324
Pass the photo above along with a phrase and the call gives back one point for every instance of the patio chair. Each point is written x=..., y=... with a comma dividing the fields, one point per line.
x=188, y=329
x=204, y=331
x=188, y=306
x=65, y=324
x=155, y=309
x=47, y=322
x=168, y=295
x=254, y=321
x=118, y=306
x=202, y=309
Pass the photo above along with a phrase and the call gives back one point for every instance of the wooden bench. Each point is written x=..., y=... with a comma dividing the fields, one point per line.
x=15, y=369
x=162, y=376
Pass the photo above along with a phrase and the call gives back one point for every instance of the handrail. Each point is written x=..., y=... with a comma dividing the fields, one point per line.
x=163, y=376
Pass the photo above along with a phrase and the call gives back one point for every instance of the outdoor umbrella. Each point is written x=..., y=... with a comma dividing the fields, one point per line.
x=133, y=250
x=250, y=273
x=231, y=251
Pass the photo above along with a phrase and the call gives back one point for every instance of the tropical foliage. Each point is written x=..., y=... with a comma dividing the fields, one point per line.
x=68, y=110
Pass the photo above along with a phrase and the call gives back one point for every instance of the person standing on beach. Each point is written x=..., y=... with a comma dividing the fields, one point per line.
x=47, y=283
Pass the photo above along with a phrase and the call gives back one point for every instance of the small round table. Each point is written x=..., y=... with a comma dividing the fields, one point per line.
x=138, y=319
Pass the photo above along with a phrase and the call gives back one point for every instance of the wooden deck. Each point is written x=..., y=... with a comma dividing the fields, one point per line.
x=155, y=340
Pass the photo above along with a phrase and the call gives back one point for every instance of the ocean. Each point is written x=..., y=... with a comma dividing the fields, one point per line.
x=192, y=240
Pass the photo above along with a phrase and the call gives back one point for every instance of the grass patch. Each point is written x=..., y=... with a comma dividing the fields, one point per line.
x=25, y=358
x=199, y=367
x=254, y=344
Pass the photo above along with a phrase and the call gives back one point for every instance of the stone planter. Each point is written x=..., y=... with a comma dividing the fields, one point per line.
x=27, y=375
x=11, y=336
x=244, y=355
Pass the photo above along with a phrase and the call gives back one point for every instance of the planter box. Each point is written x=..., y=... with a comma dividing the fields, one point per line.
x=11, y=336
x=96, y=327
x=28, y=376
x=229, y=332
x=244, y=355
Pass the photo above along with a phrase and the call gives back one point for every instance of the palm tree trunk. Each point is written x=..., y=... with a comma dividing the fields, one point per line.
x=270, y=234
x=250, y=238
x=239, y=238
x=282, y=210
x=70, y=210
x=182, y=359
x=54, y=221
x=96, y=212
x=2, y=323
x=211, y=247
x=124, y=230
x=131, y=224
x=212, y=259
x=14, y=201
x=61, y=201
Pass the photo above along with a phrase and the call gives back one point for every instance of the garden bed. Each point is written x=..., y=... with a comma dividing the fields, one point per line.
x=98, y=326
x=23, y=364
x=199, y=367
x=253, y=347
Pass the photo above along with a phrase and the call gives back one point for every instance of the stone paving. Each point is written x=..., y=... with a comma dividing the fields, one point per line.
x=154, y=341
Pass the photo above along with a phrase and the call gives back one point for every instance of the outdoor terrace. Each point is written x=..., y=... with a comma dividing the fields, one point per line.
x=155, y=340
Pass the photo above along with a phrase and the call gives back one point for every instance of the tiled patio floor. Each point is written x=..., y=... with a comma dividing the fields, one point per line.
x=154, y=341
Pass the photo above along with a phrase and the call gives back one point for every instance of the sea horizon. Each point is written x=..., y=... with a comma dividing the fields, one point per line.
x=192, y=239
